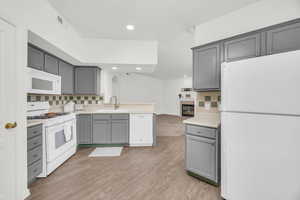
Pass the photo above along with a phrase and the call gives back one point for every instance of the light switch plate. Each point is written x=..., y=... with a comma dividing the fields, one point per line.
x=207, y=105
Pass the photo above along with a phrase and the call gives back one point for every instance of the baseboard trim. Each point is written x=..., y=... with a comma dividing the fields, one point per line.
x=141, y=144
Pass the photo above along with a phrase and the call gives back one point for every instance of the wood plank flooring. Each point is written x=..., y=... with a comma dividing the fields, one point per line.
x=170, y=125
x=147, y=173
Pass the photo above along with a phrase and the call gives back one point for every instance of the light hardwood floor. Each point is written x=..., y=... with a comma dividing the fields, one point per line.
x=170, y=125
x=150, y=173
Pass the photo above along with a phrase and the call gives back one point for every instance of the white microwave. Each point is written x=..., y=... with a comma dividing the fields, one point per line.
x=43, y=83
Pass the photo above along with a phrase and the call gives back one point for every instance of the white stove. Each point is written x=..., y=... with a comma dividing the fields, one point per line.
x=59, y=135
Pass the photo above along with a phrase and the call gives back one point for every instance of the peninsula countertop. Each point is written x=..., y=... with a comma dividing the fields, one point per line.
x=207, y=119
x=123, y=109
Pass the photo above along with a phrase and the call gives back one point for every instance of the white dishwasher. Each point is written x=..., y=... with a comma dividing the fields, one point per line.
x=141, y=129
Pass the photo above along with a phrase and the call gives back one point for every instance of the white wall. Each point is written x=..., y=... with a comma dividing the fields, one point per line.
x=109, y=51
x=172, y=88
x=255, y=16
x=106, y=85
x=41, y=18
x=136, y=88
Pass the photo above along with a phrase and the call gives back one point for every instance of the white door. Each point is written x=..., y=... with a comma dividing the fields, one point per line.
x=267, y=84
x=8, y=96
x=260, y=157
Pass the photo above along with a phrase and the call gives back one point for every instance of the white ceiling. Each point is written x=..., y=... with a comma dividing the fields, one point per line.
x=170, y=22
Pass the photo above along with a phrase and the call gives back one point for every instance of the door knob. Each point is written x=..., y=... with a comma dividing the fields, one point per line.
x=11, y=125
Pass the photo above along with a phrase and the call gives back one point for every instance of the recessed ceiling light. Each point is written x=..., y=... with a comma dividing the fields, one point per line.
x=130, y=27
x=114, y=68
x=138, y=68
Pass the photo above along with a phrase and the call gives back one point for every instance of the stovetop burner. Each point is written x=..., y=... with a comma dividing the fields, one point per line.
x=47, y=116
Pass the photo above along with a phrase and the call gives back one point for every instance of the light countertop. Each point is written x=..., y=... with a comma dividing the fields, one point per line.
x=211, y=120
x=123, y=109
x=34, y=122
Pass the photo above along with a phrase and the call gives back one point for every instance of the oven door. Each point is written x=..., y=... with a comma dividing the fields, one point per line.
x=187, y=110
x=43, y=83
x=60, y=138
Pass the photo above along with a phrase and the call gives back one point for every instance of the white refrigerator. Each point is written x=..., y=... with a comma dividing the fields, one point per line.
x=260, y=126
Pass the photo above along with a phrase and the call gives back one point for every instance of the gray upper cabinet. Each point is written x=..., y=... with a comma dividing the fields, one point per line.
x=66, y=71
x=84, y=129
x=35, y=58
x=206, y=67
x=242, y=47
x=87, y=80
x=51, y=64
x=120, y=132
x=283, y=38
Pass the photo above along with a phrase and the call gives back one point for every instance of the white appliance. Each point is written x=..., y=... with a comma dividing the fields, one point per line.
x=141, y=130
x=260, y=125
x=59, y=135
x=40, y=82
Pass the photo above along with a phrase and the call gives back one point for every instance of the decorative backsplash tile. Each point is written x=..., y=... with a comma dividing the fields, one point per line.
x=213, y=97
x=63, y=99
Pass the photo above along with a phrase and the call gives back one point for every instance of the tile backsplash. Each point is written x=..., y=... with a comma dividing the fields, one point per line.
x=55, y=100
x=214, y=98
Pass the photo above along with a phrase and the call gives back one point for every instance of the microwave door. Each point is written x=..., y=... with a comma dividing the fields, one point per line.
x=43, y=83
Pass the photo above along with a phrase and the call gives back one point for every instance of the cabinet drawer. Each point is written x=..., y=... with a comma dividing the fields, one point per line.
x=34, y=131
x=34, y=142
x=34, y=170
x=101, y=116
x=201, y=131
x=34, y=155
x=120, y=116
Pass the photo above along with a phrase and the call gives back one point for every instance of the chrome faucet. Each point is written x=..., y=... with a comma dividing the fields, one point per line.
x=115, y=100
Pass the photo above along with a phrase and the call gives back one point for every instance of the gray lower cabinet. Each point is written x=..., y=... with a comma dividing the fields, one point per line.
x=87, y=80
x=283, y=39
x=35, y=58
x=120, y=131
x=84, y=129
x=51, y=64
x=206, y=67
x=242, y=47
x=66, y=71
x=34, y=152
x=101, y=131
x=103, y=128
x=202, y=153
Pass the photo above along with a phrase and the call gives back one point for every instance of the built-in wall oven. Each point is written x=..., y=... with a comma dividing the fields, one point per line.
x=42, y=82
x=187, y=109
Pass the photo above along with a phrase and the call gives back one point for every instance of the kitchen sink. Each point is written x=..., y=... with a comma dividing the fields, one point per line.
x=112, y=111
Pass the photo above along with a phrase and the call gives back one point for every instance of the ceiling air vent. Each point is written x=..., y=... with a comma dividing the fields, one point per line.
x=59, y=19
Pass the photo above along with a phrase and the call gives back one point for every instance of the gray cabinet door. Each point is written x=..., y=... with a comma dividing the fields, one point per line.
x=86, y=80
x=84, y=129
x=206, y=67
x=66, y=71
x=101, y=131
x=242, y=48
x=35, y=58
x=119, y=131
x=51, y=64
x=283, y=39
x=201, y=156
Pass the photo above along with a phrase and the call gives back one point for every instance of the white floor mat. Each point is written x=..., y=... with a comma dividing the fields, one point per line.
x=106, y=152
